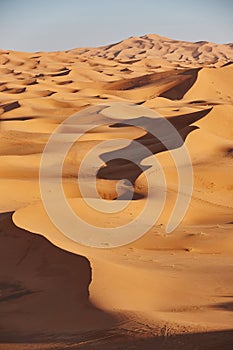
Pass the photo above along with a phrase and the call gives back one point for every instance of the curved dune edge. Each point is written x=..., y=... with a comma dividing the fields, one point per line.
x=181, y=281
x=41, y=294
x=180, y=256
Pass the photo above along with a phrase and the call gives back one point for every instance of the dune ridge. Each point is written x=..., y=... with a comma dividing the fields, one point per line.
x=153, y=46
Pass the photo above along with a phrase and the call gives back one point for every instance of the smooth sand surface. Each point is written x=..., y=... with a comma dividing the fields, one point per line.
x=173, y=290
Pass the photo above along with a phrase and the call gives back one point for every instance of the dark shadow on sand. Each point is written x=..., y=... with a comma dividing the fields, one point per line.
x=118, y=168
x=43, y=289
x=122, y=340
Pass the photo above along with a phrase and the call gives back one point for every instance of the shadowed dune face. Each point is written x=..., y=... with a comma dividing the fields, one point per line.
x=44, y=289
x=177, y=92
x=118, y=168
x=126, y=339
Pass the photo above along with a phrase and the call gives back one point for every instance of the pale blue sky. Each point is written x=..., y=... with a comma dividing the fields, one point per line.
x=49, y=25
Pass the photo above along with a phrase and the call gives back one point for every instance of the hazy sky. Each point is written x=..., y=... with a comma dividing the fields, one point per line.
x=49, y=25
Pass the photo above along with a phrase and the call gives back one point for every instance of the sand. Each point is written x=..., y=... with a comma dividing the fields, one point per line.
x=173, y=290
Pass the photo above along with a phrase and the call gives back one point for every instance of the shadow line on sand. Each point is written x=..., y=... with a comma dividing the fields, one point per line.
x=119, y=168
x=43, y=289
x=119, y=339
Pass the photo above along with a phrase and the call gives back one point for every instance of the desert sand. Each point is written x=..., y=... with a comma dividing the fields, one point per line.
x=166, y=291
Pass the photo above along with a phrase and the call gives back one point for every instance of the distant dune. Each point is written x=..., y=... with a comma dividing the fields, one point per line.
x=161, y=285
x=153, y=47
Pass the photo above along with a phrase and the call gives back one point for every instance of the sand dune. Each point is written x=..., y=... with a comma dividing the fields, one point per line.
x=39, y=283
x=156, y=47
x=162, y=284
